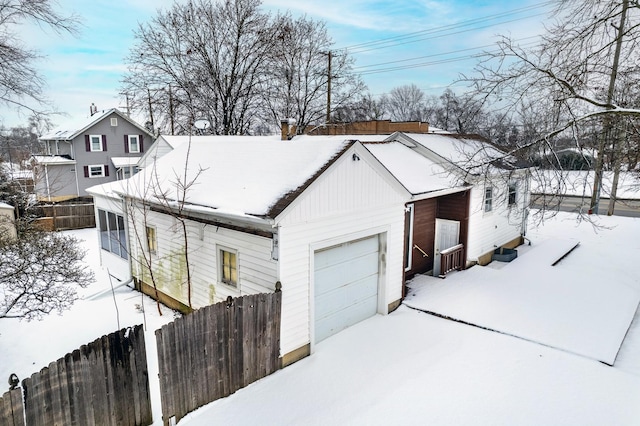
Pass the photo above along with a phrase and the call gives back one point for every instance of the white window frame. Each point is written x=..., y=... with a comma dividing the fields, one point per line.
x=112, y=240
x=96, y=166
x=409, y=209
x=488, y=199
x=220, y=252
x=512, y=188
x=137, y=144
x=91, y=138
x=152, y=243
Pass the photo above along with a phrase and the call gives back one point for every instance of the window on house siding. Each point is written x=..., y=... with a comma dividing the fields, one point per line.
x=96, y=171
x=513, y=193
x=152, y=242
x=488, y=199
x=96, y=143
x=229, y=267
x=112, y=233
x=134, y=144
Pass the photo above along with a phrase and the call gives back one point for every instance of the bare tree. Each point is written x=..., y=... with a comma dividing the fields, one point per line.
x=300, y=70
x=201, y=60
x=235, y=66
x=573, y=73
x=364, y=108
x=404, y=103
x=39, y=273
x=20, y=81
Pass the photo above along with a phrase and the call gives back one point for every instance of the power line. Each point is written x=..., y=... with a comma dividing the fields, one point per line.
x=446, y=29
x=425, y=64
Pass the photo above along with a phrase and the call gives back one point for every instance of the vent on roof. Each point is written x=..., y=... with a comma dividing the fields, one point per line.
x=114, y=122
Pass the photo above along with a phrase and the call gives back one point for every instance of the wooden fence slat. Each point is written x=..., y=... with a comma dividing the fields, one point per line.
x=165, y=394
x=102, y=383
x=216, y=350
x=11, y=408
x=214, y=383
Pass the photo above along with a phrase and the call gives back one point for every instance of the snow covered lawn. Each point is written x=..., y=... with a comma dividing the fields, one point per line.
x=405, y=368
x=412, y=368
x=583, y=305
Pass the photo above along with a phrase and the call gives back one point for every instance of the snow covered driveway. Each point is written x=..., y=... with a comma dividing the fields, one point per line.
x=583, y=305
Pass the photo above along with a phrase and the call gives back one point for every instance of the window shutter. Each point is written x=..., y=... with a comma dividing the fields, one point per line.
x=86, y=171
x=106, y=170
x=104, y=142
x=140, y=142
x=126, y=144
x=87, y=143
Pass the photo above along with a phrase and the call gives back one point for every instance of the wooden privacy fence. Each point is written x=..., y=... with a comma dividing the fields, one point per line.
x=103, y=383
x=11, y=408
x=217, y=350
x=59, y=217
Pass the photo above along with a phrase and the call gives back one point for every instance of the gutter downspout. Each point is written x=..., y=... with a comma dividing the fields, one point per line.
x=525, y=202
x=46, y=180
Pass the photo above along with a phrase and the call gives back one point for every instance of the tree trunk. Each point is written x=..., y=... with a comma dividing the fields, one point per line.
x=597, y=182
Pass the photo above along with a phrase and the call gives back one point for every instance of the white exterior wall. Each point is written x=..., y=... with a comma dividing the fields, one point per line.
x=488, y=230
x=351, y=200
x=7, y=220
x=256, y=269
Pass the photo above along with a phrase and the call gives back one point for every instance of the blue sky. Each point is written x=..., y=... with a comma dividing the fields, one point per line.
x=426, y=42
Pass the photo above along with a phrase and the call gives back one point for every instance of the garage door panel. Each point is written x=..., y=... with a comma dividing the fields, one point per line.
x=342, y=297
x=332, y=277
x=345, y=286
x=357, y=248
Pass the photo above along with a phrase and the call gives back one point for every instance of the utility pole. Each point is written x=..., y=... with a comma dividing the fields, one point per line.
x=329, y=88
x=171, y=109
x=617, y=143
x=150, y=110
x=607, y=131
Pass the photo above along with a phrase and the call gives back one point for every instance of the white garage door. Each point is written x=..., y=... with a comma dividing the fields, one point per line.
x=346, y=285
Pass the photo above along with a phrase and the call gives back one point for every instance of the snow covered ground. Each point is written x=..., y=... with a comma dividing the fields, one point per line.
x=410, y=367
x=578, y=305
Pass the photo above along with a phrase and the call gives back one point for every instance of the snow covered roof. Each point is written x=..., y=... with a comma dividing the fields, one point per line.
x=74, y=127
x=120, y=162
x=417, y=173
x=111, y=189
x=240, y=175
x=53, y=159
x=471, y=153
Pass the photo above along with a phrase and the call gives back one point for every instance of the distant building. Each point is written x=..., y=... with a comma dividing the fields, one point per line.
x=7, y=220
x=102, y=148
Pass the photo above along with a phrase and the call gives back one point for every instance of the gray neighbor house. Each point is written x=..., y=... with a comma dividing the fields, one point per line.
x=101, y=148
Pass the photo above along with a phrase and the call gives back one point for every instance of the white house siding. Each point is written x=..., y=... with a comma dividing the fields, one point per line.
x=488, y=230
x=351, y=200
x=256, y=269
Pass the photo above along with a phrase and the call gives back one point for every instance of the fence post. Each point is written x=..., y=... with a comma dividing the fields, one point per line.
x=12, y=407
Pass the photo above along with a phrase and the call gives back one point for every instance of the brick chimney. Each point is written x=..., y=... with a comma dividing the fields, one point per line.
x=287, y=129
